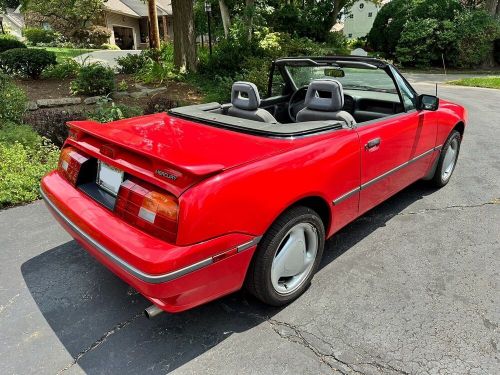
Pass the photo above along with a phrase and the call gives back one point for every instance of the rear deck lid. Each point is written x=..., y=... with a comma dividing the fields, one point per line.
x=191, y=148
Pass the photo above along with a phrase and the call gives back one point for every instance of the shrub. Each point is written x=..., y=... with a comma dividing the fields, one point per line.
x=26, y=62
x=112, y=47
x=12, y=101
x=476, y=32
x=158, y=65
x=22, y=167
x=131, y=63
x=51, y=123
x=416, y=44
x=67, y=68
x=94, y=79
x=36, y=36
x=160, y=103
x=8, y=43
x=93, y=36
x=337, y=40
x=11, y=133
x=107, y=112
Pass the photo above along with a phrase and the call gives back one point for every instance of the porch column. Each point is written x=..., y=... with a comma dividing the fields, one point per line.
x=165, y=28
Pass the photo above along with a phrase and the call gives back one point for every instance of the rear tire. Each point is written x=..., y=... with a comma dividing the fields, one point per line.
x=287, y=257
x=447, y=160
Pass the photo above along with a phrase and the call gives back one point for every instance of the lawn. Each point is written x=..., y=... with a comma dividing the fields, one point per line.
x=65, y=53
x=492, y=82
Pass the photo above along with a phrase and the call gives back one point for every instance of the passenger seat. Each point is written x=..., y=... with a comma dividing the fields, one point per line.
x=245, y=100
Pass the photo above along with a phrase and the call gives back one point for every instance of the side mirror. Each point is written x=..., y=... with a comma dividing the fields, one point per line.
x=427, y=102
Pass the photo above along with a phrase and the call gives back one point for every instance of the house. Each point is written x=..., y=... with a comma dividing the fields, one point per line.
x=128, y=22
x=12, y=21
x=359, y=18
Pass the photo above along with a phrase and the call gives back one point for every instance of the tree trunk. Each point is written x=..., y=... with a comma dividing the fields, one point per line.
x=226, y=19
x=249, y=17
x=184, y=35
x=491, y=6
x=154, y=30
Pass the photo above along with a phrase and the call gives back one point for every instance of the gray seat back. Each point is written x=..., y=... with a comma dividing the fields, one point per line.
x=324, y=101
x=245, y=100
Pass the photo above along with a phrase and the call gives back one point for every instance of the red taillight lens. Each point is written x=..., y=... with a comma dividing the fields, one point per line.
x=70, y=163
x=141, y=205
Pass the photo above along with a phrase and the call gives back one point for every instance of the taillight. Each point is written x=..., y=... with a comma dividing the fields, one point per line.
x=144, y=207
x=70, y=163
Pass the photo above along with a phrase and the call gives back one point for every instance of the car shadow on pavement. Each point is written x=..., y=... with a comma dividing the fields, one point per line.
x=98, y=318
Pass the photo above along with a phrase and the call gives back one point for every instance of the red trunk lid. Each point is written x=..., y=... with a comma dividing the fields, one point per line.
x=160, y=142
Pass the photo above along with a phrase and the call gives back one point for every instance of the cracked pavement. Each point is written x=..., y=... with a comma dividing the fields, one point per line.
x=412, y=287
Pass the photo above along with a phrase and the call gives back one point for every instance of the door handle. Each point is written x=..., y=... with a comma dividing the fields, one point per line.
x=372, y=143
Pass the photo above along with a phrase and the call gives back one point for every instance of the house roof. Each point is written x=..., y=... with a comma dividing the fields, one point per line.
x=137, y=8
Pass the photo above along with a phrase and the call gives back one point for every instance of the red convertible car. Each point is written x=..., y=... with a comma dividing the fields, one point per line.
x=194, y=204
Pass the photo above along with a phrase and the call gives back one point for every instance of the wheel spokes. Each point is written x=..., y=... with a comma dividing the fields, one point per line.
x=294, y=257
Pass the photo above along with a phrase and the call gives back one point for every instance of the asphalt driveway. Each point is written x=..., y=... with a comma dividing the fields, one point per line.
x=410, y=288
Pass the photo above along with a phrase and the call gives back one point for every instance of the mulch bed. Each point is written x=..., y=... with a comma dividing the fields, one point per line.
x=60, y=88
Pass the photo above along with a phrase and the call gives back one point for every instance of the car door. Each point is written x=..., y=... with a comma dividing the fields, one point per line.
x=424, y=134
x=395, y=149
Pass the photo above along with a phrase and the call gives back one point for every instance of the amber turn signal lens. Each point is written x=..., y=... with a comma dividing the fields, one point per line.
x=141, y=205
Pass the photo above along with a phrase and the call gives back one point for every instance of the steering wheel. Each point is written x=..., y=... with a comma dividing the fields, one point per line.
x=296, y=102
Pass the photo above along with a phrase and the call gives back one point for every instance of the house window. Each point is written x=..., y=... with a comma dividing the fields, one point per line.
x=349, y=35
x=361, y=6
x=351, y=15
x=370, y=14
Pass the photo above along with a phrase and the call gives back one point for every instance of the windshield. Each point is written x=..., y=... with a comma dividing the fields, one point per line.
x=354, y=78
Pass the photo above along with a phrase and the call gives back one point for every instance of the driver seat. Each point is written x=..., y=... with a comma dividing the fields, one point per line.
x=324, y=101
x=245, y=100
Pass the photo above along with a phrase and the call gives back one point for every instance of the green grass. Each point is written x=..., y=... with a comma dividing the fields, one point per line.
x=66, y=53
x=492, y=82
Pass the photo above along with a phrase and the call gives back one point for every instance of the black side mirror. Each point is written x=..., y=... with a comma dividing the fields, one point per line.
x=427, y=102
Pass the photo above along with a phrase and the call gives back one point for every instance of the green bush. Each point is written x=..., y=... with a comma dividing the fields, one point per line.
x=160, y=103
x=9, y=43
x=422, y=32
x=67, y=68
x=107, y=112
x=93, y=36
x=11, y=132
x=51, y=123
x=94, y=79
x=131, y=63
x=417, y=41
x=476, y=32
x=111, y=47
x=26, y=62
x=158, y=66
x=22, y=166
x=36, y=35
x=12, y=101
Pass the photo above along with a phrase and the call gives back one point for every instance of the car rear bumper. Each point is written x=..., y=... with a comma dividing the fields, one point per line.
x=173, y=277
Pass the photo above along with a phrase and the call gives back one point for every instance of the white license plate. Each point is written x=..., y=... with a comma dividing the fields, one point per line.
x=109, y=178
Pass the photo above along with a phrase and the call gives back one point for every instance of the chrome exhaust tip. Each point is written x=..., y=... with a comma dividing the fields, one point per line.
x=152, y=311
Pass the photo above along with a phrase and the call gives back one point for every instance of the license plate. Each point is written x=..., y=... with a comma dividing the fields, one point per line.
x=109, y=178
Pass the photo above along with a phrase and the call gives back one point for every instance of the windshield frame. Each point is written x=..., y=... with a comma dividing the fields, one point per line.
x=338, y=61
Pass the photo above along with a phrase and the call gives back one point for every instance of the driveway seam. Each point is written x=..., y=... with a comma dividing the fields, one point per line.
x=100, y=341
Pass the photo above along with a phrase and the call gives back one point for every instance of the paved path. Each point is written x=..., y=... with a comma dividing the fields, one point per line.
x=105, y=57
x=410, y=288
